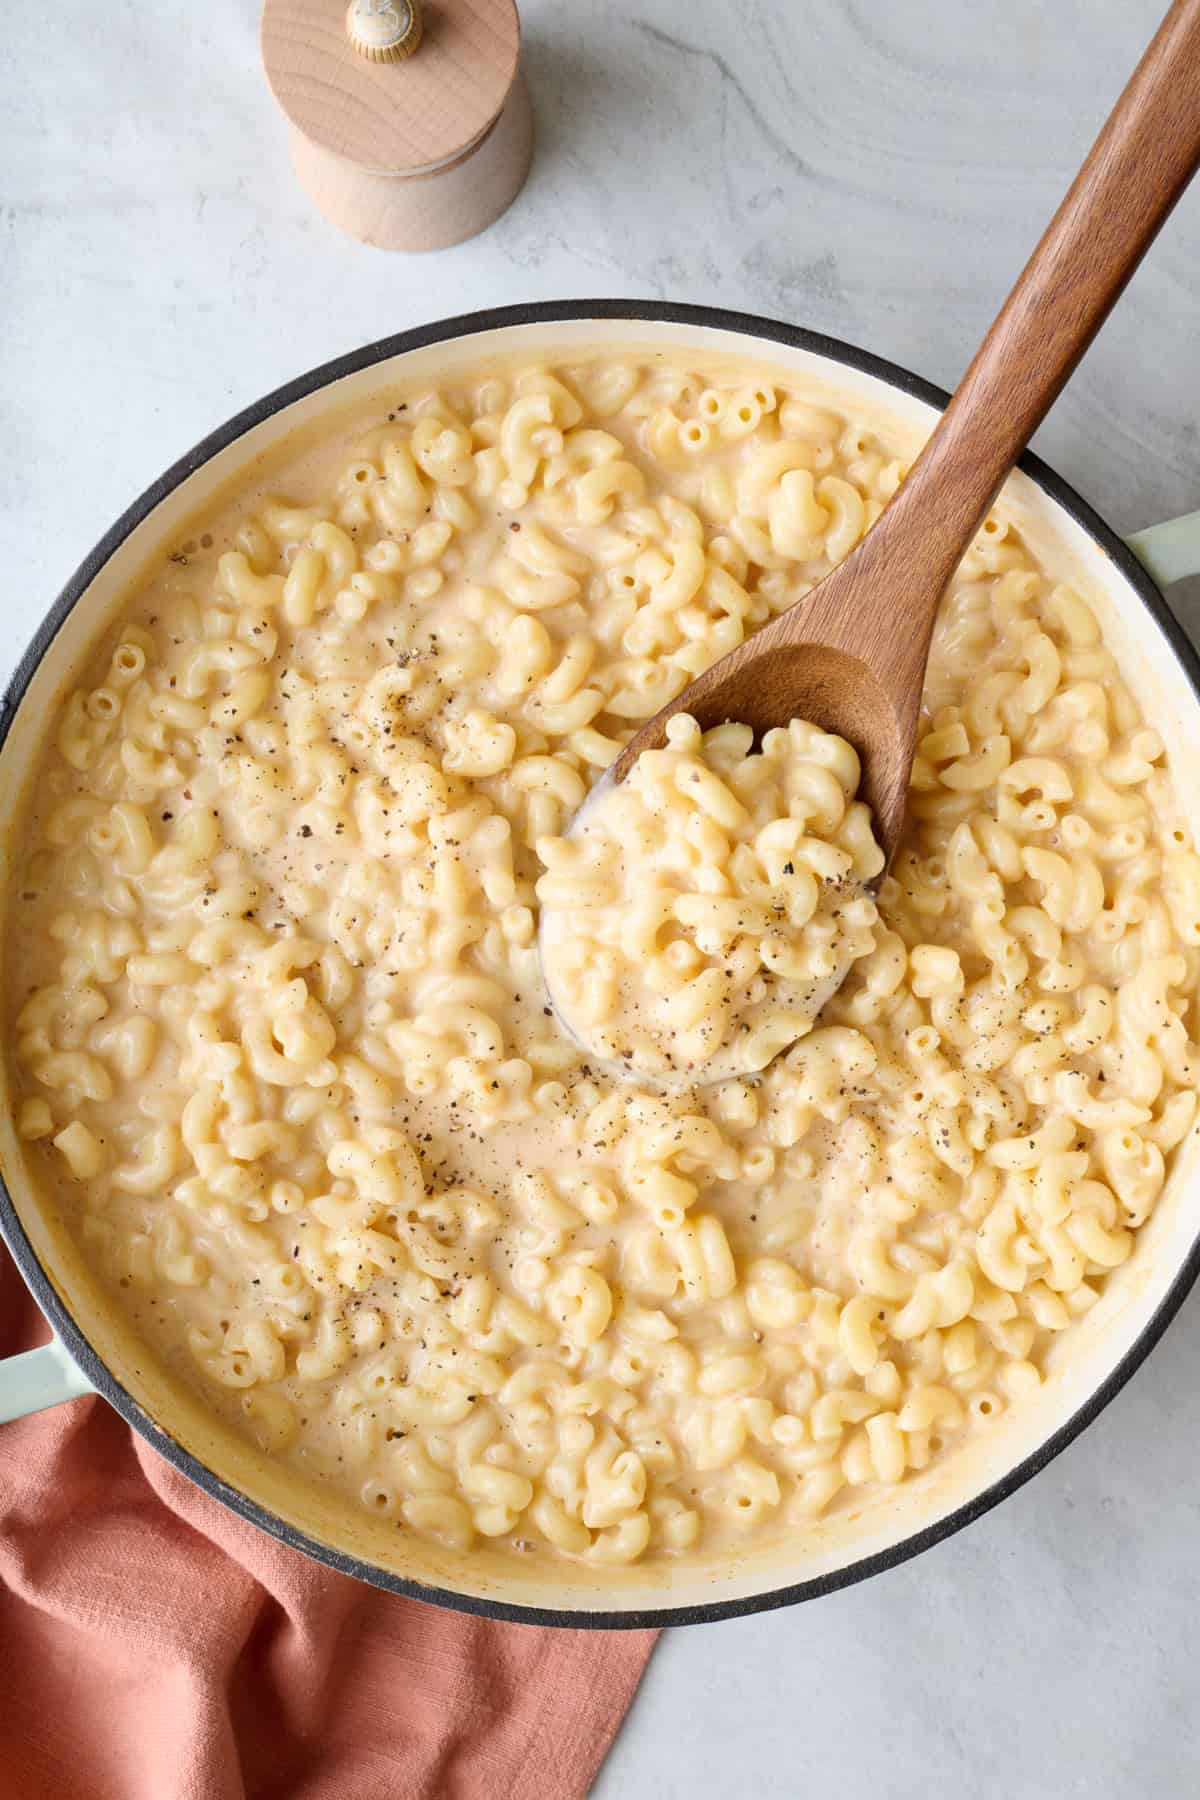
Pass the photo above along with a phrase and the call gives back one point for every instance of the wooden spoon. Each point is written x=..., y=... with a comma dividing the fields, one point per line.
x=851, y=656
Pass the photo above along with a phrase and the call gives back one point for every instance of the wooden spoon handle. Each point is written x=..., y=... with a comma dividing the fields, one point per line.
x=1136, y=170
x=1141, y=162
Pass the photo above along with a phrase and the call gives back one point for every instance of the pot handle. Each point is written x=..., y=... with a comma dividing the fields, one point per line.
x=39, y=1378
x=1169, y=551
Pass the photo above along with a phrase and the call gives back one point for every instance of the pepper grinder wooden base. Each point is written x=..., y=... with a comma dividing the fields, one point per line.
x=409, y=155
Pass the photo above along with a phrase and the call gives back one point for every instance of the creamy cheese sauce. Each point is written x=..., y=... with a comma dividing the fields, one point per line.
x=286, y=1060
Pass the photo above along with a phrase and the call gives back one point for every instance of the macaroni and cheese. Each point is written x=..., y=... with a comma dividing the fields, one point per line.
x=285, y=1058
x=698, y=916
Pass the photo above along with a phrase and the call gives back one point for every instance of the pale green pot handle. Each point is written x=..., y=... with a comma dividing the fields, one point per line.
x=39, y=1378
x=1169, y=551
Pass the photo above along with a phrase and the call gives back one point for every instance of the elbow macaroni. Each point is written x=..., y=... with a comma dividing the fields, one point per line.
x=699, y=916
x=283, y=1055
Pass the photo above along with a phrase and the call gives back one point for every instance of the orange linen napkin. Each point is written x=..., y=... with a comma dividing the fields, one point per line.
x=155, y=1647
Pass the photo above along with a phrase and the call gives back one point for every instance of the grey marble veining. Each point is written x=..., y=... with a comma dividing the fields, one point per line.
x=879, y=172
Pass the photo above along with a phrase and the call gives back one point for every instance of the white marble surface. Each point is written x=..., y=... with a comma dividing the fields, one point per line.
x=876, y=171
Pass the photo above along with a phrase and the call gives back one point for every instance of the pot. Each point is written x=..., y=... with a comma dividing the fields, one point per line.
x=93, y=1350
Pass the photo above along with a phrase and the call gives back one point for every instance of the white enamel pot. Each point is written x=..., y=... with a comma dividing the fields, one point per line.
x=91, y=1348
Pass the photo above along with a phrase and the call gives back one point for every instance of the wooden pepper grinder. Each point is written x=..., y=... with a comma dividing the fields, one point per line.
x=410, y=125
